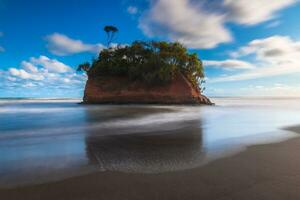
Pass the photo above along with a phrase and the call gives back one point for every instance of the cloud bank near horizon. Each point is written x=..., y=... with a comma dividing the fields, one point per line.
x=42, y=74
x=273, y=56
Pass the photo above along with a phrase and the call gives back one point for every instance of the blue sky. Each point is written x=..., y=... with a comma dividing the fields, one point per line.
x=249, y=48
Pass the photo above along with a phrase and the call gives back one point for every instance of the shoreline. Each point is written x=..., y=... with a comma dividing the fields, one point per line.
x=264, y=171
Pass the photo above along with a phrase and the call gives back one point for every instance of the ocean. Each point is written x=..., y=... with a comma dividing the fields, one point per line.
x=44, y=140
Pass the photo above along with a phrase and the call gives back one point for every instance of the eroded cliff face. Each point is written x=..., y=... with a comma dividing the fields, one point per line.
x=119, y=90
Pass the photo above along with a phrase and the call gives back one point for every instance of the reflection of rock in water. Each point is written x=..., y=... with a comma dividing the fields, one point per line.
x=148, y=152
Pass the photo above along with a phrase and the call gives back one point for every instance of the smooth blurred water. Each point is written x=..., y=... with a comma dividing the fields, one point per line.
x=43, y=140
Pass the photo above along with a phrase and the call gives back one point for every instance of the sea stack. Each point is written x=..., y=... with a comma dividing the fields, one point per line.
x=120, y=90
x=145, y=73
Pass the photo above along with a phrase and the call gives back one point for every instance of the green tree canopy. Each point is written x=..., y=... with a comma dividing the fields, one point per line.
x=84, y=67
x=149, y=62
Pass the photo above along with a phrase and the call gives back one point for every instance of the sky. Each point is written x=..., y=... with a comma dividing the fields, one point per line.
x=248, y=48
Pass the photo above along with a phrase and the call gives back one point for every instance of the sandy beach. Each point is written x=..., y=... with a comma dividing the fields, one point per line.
x=261, y=172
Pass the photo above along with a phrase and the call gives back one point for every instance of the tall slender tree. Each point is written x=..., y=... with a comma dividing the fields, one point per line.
x=110, y=31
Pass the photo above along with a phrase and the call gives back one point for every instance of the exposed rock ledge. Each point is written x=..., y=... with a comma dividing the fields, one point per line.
x=119, y=90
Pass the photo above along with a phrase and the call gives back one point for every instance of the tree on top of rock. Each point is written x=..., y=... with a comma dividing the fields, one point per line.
x=110, y=31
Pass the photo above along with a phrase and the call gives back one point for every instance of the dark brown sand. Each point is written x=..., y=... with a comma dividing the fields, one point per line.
x=261, y=172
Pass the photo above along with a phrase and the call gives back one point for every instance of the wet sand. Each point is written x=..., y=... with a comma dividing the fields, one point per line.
x=264, y=172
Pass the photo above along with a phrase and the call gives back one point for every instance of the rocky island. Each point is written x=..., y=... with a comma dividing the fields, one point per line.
x=145, y=73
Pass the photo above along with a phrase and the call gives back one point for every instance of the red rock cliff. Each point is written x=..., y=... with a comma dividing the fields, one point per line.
x=120, y=90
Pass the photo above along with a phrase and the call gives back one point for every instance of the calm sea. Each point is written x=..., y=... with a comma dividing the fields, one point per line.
x=46, y=140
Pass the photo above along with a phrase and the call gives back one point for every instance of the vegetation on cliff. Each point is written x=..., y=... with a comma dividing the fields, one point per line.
x=149, y=62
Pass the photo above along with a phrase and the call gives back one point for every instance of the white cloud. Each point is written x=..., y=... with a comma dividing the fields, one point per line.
x=132, y=10
x=185, y=22
x=274, y=56
x=40, y=68
x=275, y=49
x=228, y=64
x=62, y=45
x=275, y=90
x=29, y=85
x=265, y=90
x=201, y=24
x=10, y=78
x=254, y=11
x=22, y=74
x=66, y=80
x=50, y=76
x=266, y=71
x=52, y=65
x=29, y=67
